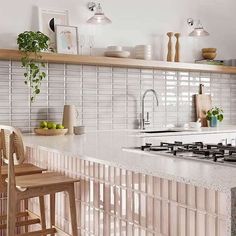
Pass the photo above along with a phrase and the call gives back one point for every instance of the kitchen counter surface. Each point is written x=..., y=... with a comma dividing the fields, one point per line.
x=105, y=147
x=203, y=130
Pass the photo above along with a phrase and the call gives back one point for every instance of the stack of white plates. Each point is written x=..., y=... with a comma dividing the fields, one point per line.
x=143, y=52
x=116, y=51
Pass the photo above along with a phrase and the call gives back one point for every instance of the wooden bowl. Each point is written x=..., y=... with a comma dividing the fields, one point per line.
x=206, y=50
x=209, y=55
x=50, y=132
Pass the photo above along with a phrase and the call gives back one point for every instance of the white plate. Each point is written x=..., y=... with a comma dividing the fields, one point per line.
x=139, y=53
x=144, y=57
x=120, y=54
x=114, y=48
x=143, y=51
x=143, y=46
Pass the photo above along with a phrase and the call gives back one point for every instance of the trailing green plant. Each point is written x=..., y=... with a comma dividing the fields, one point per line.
x=31, y=44
x=215, y=112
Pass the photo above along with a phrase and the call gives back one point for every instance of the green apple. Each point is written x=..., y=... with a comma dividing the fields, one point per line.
x=43, y=124
x=54, y=125
x=46, y=128
x=59, y=126
x=50, y=125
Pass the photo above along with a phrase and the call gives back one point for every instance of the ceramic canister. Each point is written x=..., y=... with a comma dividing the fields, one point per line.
x=70, y=115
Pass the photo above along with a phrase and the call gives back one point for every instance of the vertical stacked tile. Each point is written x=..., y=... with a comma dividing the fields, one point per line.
x=73, y=89
x=116, y=201
x=221, y=94
x=104, y=98
x=133, y=98
x=56, y=91
x=5, y=92
x=171, y=97
x=110, y=98
x=194, y=82
x=20, y=98
x=183, y=98
x=89, y=97
x=160, y=88
x=119, y=96
x=233, y=100
x=225, y=97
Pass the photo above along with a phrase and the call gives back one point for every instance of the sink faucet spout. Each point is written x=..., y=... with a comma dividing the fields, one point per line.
x=143, y=121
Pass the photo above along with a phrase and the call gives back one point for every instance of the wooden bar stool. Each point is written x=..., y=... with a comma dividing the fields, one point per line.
x=20, y=169
x=36, y=185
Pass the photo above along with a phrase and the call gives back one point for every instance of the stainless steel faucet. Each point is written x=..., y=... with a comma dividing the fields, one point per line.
x=147, y=121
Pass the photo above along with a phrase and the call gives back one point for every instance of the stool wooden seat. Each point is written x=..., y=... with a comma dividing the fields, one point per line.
x=20, y=169
x=36, y=185
x=40, y=180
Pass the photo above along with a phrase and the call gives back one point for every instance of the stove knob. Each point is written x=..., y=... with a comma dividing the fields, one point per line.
x=233, y=142
x=214, y=158
x=148, y=144
x=224, y=141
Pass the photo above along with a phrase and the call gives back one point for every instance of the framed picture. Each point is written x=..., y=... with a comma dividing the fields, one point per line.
x=48, y=19
x=67, y=39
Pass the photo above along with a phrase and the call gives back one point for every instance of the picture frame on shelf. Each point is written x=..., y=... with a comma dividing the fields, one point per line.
x=67, y=39
x=48, y=19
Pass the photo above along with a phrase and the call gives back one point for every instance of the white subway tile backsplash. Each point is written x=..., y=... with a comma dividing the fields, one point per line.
x=110, y=98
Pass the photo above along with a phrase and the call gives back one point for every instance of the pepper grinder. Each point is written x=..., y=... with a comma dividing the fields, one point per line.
x=169, y=54
x=177, y=46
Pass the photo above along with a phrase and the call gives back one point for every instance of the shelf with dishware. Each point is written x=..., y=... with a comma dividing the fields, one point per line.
x=15, y=55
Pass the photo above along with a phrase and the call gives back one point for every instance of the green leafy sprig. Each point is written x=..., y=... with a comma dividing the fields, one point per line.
x=215, y=112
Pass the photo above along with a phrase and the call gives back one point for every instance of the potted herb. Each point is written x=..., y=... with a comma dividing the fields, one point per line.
x=214, y=115
x=31, y=44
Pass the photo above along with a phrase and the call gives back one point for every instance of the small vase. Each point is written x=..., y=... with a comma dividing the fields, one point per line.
x=213, y=121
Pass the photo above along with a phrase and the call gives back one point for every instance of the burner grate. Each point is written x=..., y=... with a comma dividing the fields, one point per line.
x=198, y=150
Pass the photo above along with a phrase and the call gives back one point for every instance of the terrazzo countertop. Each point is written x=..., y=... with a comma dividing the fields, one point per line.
x=106, y=147
x=189, y=131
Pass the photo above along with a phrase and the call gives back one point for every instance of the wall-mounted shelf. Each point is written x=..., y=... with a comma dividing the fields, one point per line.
x=9, y=54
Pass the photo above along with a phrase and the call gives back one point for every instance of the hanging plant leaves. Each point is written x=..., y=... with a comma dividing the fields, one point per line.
x=31, y=44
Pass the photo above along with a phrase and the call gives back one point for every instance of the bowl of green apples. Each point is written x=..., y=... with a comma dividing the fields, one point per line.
x=49, y=128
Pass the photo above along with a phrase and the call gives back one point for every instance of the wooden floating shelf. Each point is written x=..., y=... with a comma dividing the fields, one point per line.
x=9, y=54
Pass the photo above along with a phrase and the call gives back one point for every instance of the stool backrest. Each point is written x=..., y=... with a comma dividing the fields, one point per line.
x=11, y=145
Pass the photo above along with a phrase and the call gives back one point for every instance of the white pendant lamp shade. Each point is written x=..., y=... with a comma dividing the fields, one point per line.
x=198, y=31
x=99, y=17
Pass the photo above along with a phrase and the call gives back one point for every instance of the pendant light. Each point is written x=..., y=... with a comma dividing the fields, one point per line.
x=198, y=31
x=99, y=16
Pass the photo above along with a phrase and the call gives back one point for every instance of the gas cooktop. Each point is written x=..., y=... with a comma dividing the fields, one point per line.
x=214, y=153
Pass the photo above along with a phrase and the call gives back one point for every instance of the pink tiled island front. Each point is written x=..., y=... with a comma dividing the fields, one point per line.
x=125, y=193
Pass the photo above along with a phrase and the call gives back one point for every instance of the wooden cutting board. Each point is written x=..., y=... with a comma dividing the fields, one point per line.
x=203, y=103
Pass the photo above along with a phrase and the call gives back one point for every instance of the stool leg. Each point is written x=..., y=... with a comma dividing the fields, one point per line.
x=42, y=212
x=52, y=211
x=71, y=192
x=11, y=214
x=26, y=217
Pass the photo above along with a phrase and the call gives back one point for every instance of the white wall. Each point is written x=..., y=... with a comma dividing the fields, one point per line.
x=134, y=22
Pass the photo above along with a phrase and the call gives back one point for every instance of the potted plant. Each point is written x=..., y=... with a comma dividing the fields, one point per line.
x=214, y=115
x=31, y=44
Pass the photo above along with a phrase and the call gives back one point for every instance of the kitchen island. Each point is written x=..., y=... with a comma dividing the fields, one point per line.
x=134, y=193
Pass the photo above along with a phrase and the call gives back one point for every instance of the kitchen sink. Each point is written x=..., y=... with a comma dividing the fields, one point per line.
x=159, y=131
